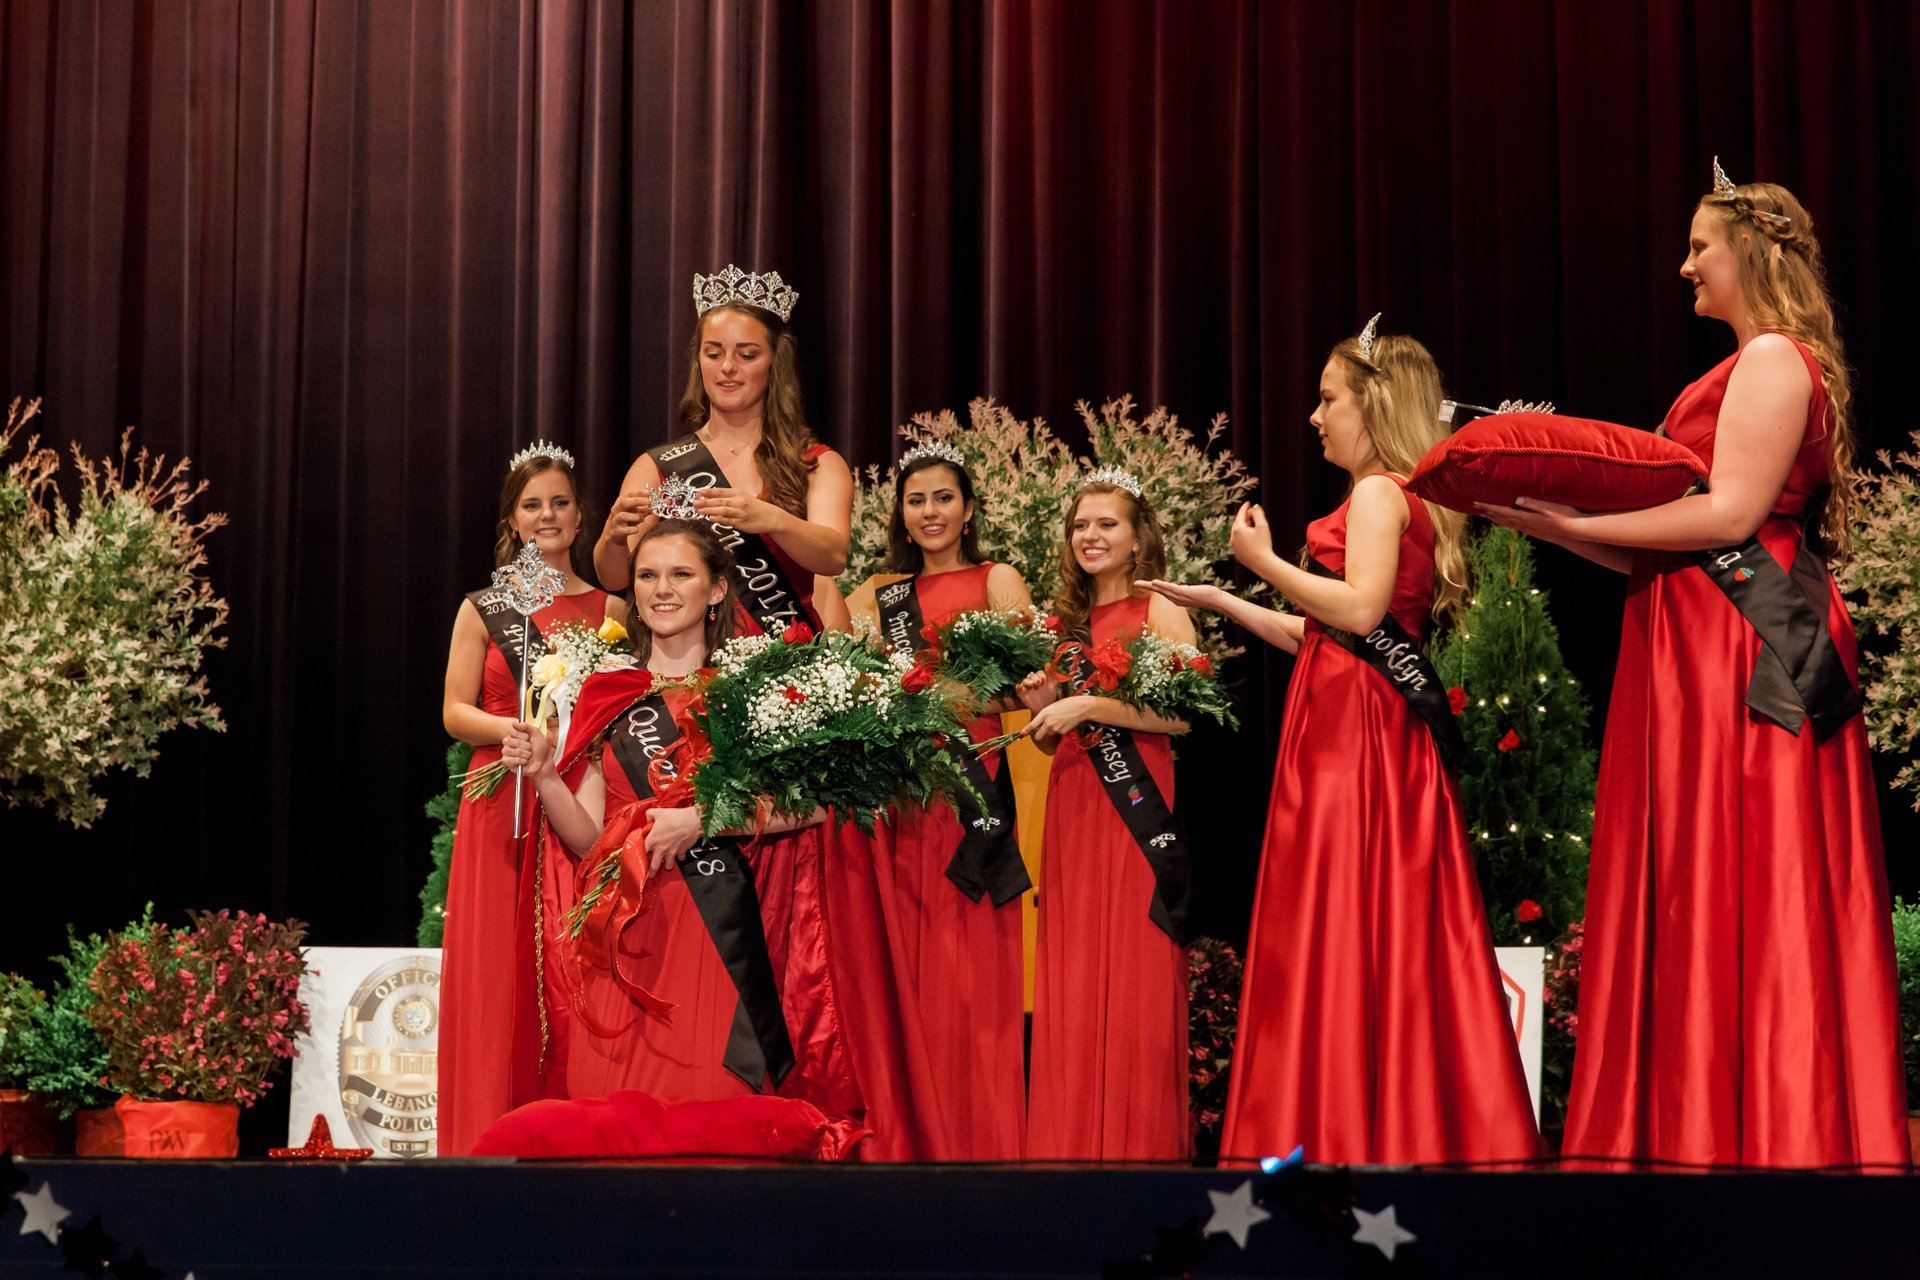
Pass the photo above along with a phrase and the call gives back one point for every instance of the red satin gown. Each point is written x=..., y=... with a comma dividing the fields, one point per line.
x=1373, y=1025
x=486, y=993
x=1109, y=1072
x=957, y=965
x=1737, y=995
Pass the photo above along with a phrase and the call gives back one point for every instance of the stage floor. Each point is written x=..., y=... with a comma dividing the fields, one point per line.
x=222, y=1219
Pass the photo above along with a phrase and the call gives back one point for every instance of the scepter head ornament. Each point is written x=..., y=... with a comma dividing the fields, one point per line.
x=767, y=292
x=1365, y=340
x=527, y=583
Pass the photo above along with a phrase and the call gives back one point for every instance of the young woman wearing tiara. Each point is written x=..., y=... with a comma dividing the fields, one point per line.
x=1373, y=1026
x=782, y=500
x=1737, y=998
x=948, y=883
x=1109, y=1067
x=489, y=1038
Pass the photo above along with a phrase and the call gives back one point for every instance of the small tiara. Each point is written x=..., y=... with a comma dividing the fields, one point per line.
x=1114, y=476
x=1525, y=406
x=1365, y=341
x=1723, y=188
x=672, y=499
x=768, y=292
x=933, y=449
x=540, y=449
x=1722, y=184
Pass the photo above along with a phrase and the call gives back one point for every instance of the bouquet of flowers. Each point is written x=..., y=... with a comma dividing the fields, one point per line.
x=991, y=650
x=574, y=654
x=835, y=722
x=1148, y=672
x=200, y=1014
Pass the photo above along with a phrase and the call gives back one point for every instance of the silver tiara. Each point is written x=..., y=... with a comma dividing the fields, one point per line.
x=1723, y=187
x=1114, y=476
x=768, y=292
x=933, y=449
x=540, y=449
x=672, y=499
x=1525, y=406
x=1722, y=184
x=1365, y=341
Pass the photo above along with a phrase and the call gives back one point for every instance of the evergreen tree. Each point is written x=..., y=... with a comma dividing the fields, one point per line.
x=443, y=809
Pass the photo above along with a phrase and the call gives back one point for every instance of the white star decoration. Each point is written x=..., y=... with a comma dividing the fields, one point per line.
x=43, y=1213
x=1381, y=1231
x=1234, y=1213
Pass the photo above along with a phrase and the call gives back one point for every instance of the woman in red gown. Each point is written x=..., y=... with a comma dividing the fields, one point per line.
x=487, y=1005
x=949, y=961
x=1109, y=1068
x=1737, y=994
x=1373, y=1028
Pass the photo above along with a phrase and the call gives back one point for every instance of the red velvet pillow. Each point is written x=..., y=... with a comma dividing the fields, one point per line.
x=1595, y=466
x=635, y=1125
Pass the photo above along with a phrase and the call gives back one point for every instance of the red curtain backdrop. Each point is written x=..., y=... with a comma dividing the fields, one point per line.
x=350, y=255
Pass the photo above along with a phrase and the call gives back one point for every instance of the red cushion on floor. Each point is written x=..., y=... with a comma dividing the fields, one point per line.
x=1595, y=466
x=632, y=1124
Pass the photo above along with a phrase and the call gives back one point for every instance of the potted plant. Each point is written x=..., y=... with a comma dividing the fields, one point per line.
x=193, y=1020
x=61, y=1059
x=27, y=1125
x=1906, y=950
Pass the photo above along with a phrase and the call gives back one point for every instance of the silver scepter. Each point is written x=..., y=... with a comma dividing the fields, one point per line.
x=527, y=584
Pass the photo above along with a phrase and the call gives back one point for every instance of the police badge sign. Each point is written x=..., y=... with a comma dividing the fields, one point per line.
x=371, y=1062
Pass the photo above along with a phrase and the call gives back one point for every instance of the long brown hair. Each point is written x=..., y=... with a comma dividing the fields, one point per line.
x=1399, y=391
x=506, y=543
x=1784, y=284
x=784, y=434
x=722, y=618
x=903, y=553
x=1075, y=603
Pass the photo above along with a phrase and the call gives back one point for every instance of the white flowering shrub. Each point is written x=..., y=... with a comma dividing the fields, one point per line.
x=1883, y=579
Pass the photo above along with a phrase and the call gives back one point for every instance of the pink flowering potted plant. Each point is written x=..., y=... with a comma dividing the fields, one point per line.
x=193, y=1021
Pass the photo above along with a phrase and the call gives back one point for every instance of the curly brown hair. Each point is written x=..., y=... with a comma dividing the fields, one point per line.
x=1074, y=606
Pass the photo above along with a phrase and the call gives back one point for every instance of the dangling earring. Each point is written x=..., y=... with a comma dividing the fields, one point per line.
x=713, y=613
x=966, y=528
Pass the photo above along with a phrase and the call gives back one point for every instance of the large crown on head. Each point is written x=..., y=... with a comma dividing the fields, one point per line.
x=1365, y=340
x=939, y=449
x=540, y=449
x=1114, y=476
x=768, y=292
x=673, y=498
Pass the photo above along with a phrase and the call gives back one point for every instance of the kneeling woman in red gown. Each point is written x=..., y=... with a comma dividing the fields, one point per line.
x=487, y=1001
x=1737, y=993
x=676, y=991
x=1109, y=1069
x=1373, y=1028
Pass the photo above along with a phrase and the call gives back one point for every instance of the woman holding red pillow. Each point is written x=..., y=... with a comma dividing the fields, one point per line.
x=1373, y=1026
x=1737, y=1004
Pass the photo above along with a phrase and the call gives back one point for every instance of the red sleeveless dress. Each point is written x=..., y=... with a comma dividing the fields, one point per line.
x=1737, y=995
x=486, y=992
x=1373, y=1026
x=1109, y=1072
x=956, y=965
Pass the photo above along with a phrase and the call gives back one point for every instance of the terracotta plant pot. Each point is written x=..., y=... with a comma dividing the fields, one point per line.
x=180, y=1130
x=98, y=1132
x=28, y=1126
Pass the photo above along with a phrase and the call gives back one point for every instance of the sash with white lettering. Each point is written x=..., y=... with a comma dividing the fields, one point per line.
x=1797, y=675
x=503, y=624
x=766, y=591
x=987, y=860
x=1155, y=828
x=759, y=1050
x=1404, y=663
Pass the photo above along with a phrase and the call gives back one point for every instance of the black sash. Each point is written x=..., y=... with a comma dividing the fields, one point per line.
x=1156, y=828
x=1797, y=674
x=759, y=1050
x=988, y=857
x=765, y=590
x=1403, y=662
x=503, y=624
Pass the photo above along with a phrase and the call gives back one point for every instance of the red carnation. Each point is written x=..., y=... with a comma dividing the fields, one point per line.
x=793, y=695
x=916, y=679
x=1051, y=623
x=1203, y=664
x=1457, y=699
x=1528, y=911
x=797, y=633
x=1510, y=742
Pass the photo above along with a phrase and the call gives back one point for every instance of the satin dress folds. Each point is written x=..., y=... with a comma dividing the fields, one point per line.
x=1109, y=1069
x=1737, y=994
x=1373, y=1024
x=487, y=1005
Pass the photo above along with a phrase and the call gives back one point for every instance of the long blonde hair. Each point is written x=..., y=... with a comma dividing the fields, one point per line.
x=1399, y=391
x=785, y=437
x=1785, y=288
x=1074, y=606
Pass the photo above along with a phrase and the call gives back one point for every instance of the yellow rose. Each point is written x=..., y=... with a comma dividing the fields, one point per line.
x=550, y=670
x=612, y=632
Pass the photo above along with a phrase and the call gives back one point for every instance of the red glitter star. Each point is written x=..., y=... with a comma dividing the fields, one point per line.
x=320, y=1146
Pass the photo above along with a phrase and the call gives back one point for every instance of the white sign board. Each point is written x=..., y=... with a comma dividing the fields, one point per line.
x=371, y=1063
x=1523, y=976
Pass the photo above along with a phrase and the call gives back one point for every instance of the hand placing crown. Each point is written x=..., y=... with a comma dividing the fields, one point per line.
x=767, y=292
x=673, y=500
